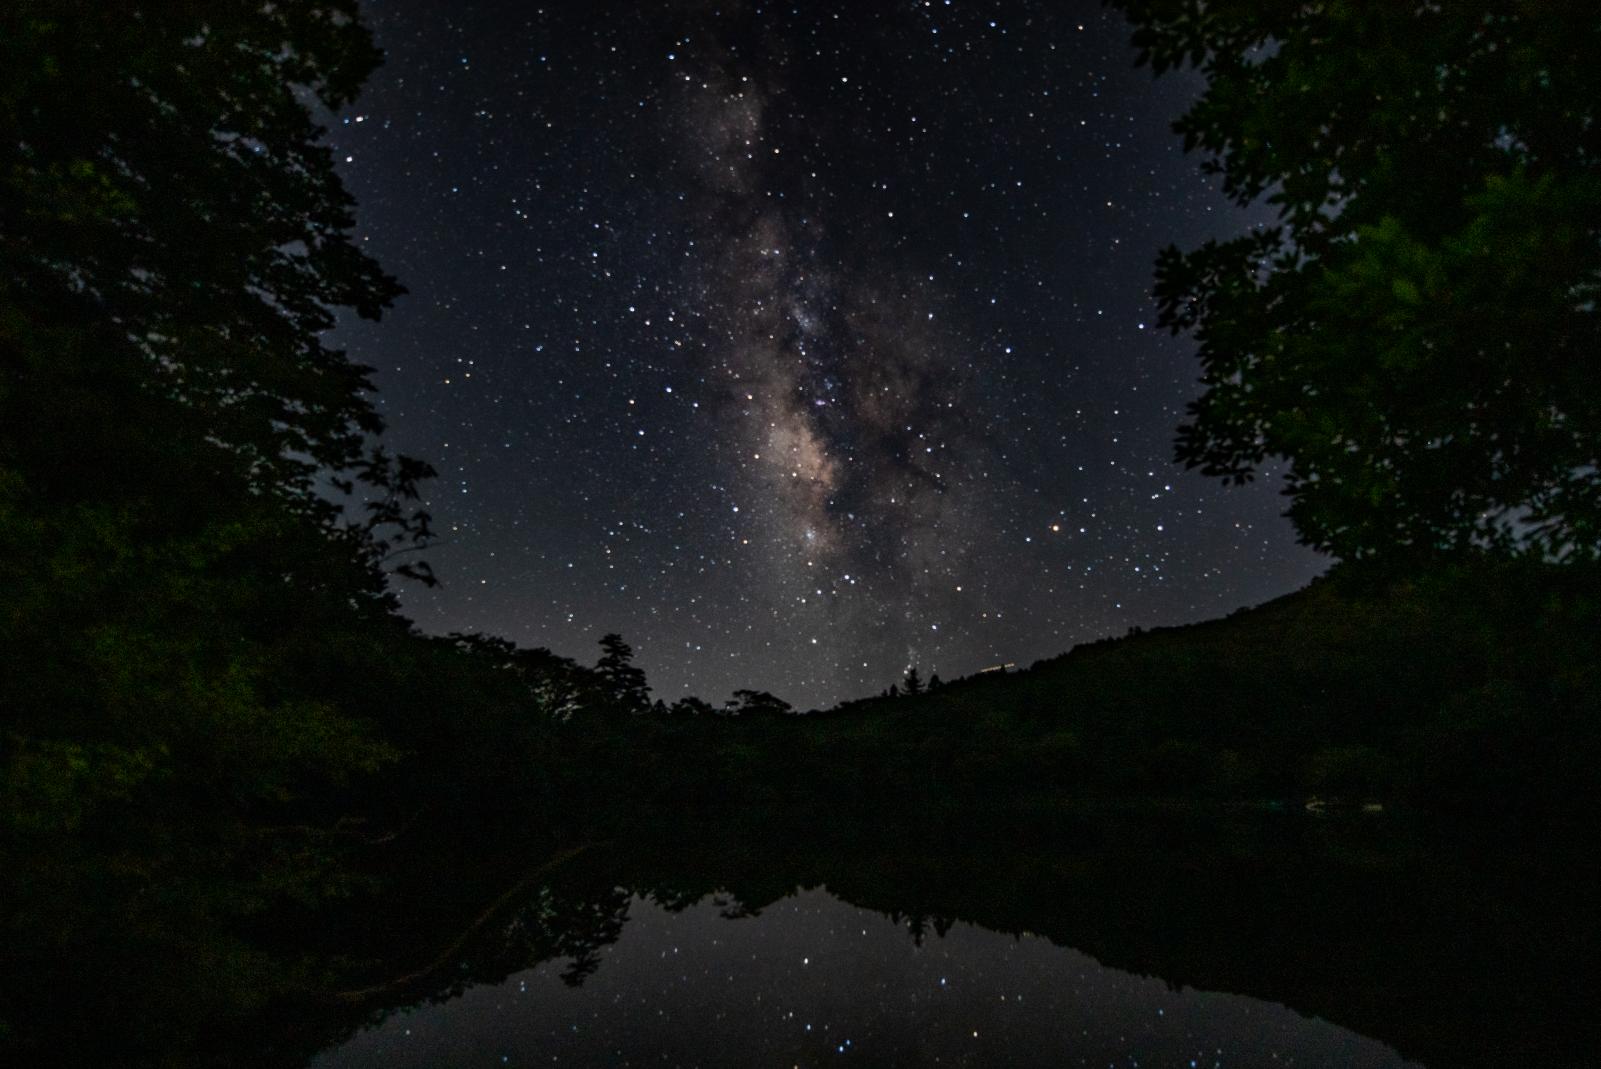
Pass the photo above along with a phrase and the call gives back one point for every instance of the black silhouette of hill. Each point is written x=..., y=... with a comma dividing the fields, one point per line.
x=1468, y=690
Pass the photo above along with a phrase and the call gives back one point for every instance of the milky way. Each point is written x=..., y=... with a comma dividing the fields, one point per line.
x=848, y=399
x=799, y=345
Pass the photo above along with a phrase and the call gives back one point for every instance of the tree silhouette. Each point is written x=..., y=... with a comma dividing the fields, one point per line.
x=174, y=430
x=198, y=633
x=558, y=685
x=913, y=682
x=177, y=242
x=624, y=684
x=1416, y=334
x=691, y=706
x=756, y=703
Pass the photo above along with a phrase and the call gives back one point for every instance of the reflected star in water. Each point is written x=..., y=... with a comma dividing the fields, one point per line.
x=813, y=977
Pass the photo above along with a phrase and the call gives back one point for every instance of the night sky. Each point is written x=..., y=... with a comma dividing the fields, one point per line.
x=796, y=342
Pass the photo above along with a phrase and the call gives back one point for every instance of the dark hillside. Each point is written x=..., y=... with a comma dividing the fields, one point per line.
x=1471, y=691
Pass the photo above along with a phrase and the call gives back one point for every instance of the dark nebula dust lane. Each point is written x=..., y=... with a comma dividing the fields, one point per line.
x=799, y=344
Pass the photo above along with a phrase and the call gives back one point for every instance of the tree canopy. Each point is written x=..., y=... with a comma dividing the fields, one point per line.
x=197, y=638
x=1417, y=332
x=623, y=681
x=173, y=220
x=747, y=702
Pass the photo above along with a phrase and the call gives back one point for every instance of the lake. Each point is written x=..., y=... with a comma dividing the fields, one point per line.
x=814, y=980
x=1110, y=938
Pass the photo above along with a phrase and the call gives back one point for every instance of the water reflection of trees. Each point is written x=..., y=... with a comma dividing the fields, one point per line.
x=1386, y=933
x=555, y=925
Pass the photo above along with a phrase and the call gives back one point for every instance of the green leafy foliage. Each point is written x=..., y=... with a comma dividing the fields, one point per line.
x=1417, y=334
x=178, y=559
x=168, y=208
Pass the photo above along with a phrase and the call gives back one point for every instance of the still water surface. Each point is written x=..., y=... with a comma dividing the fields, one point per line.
x=811, y=979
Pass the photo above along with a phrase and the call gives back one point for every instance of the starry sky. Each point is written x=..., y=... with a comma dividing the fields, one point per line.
x=799, y=343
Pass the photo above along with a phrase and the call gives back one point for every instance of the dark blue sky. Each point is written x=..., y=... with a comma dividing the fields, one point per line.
x=797, y=343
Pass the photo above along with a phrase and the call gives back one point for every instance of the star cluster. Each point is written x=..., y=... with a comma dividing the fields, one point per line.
x=797, y=343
